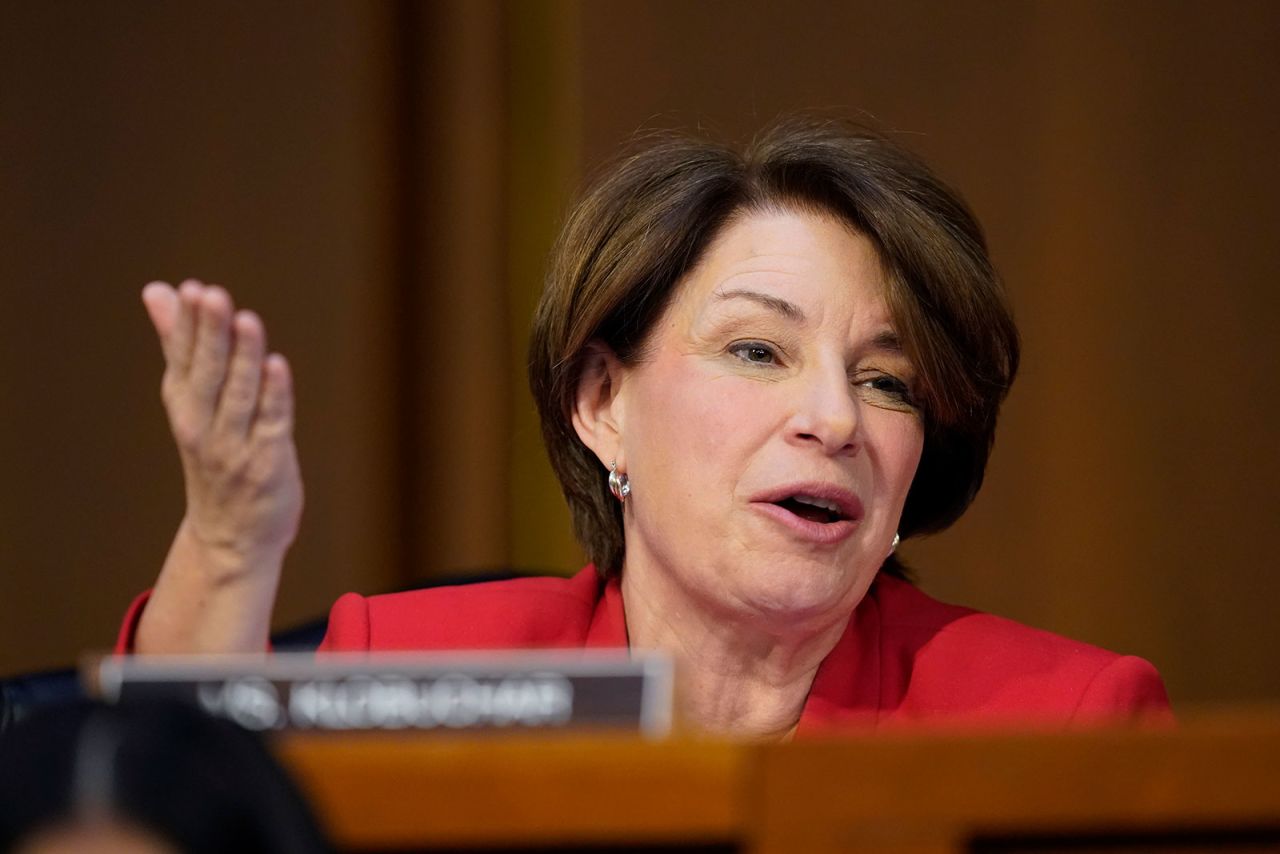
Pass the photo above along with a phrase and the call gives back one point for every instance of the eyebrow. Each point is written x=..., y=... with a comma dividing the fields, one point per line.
x=886, y=340
x=789, y=310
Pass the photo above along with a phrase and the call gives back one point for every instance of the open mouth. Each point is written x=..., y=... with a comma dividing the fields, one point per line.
x=812, y=509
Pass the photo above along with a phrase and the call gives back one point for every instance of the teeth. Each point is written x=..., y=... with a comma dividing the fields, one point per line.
x=818, y=502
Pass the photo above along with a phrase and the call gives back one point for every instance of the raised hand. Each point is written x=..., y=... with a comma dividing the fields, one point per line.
x=230, y=407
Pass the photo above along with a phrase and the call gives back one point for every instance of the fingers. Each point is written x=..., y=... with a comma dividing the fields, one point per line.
x=210, y=350
x=161, y=302
x=173, y=313
x=218, y=377
x=183, y=334
x=275, y=402
x=239, y=398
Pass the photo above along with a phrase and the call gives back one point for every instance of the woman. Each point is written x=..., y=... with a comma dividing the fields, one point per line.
x=755, y=371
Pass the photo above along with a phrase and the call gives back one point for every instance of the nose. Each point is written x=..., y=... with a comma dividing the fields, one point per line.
x=826, y=412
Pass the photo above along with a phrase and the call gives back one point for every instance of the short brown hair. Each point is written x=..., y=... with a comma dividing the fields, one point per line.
x=646, y=222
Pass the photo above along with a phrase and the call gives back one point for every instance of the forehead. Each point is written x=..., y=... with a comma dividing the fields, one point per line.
x=816, y=261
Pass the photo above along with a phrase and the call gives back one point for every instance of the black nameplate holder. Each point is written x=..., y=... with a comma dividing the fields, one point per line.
x=446, y=692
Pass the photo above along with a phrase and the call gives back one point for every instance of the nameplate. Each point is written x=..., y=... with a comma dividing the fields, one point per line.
x=407, y=691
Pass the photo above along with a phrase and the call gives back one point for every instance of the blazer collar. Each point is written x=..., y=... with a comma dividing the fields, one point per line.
x=846, y=689
x=608, y=622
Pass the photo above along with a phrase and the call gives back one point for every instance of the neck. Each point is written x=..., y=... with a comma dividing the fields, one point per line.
x=736, y=675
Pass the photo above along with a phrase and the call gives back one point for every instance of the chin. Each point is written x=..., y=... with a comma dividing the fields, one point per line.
x=787, y=595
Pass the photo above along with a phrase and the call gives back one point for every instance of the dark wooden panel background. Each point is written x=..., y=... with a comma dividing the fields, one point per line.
x=382, y=180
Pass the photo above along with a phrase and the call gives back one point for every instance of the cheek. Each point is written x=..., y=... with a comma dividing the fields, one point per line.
x=898, y=442
x=687, y=426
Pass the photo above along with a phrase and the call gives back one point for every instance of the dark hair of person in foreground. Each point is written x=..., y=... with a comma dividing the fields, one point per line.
x=154, y=776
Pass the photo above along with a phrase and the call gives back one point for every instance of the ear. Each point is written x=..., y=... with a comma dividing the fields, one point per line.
x=597, y=408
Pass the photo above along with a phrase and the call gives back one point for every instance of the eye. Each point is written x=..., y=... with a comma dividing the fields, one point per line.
x=889, y=389
x=755, y=352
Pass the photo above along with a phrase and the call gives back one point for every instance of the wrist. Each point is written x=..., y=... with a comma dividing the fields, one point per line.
x=227, y=561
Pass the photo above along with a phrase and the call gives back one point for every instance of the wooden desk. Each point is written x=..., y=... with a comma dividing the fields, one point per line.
x=925, y=793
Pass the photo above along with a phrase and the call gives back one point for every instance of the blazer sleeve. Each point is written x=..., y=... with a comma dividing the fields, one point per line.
x=126, y=638
x=1126, y=688
x=348, y=629
x=348, y=625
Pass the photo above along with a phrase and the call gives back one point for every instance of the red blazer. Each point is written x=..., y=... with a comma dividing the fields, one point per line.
x=904, y=656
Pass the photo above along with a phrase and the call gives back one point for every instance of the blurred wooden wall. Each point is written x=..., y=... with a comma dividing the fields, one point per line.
x=244, y=143
x=382, y=181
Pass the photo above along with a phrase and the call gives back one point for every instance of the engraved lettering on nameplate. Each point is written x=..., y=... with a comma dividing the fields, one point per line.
x=393, y=691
